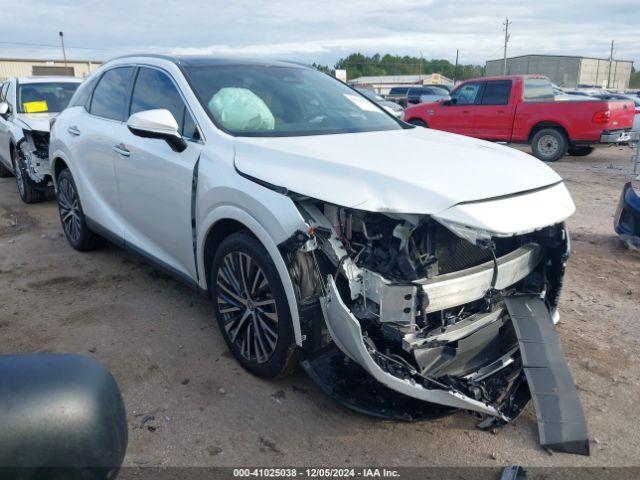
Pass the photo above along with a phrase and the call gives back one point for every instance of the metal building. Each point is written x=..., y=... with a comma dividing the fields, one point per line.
x=567, y=71
x=20, y=67
x=383, y=83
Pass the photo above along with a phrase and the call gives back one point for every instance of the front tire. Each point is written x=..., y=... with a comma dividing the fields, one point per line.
x=549, y=144
x=251, y=307
x=27, y=189
x=74, y=223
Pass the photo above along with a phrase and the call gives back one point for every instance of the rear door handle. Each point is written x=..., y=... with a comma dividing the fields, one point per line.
x=73, y=130
x=466, y=111
x=120, y=149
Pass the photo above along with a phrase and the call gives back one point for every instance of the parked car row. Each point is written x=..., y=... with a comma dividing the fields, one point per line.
x=404, y=266
x=406, y=96
x=523, y=109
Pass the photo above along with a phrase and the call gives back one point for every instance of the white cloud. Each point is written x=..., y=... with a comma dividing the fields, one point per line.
x=311, y=30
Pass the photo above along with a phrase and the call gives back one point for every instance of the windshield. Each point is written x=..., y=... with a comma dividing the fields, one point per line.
x=270, y=101
x=45, y=97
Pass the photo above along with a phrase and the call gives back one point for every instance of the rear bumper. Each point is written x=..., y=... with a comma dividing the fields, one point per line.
x=615, y=136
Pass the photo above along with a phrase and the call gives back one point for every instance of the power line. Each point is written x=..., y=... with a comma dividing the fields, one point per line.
x=49, y=45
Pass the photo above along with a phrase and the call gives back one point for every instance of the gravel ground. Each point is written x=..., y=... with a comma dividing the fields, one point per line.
x=189, y=403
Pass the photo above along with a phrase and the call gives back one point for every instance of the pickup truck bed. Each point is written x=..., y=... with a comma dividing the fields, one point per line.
x=521, y=109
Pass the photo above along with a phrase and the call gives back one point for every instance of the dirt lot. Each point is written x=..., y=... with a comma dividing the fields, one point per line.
x=159, y=339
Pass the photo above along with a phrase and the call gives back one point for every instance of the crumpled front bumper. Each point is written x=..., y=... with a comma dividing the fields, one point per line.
x=346, y=332
x=561, y=422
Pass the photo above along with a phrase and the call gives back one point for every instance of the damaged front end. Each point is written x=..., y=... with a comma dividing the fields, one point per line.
x=423, y=314
x=33, y=150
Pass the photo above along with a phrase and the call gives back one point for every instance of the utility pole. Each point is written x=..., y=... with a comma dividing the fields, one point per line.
x=420, y=72
x=64, y=53
x=610, y=63
x=455, y=69
x=506, y=40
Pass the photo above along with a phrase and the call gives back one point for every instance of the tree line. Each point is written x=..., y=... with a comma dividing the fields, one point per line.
x=359, y=65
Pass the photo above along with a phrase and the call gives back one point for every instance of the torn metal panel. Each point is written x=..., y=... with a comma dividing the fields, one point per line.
x=561, y=422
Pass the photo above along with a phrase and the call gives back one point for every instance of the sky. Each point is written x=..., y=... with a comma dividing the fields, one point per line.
x=320, y=31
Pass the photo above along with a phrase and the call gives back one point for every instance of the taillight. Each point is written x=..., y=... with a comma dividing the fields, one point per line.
x=637, y=110
x=603, y=116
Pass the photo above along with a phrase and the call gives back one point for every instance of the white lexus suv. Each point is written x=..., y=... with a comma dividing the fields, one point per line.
x=395, y=263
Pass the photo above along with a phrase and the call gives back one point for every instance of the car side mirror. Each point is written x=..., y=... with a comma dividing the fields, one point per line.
x=160, y=124
x=451, y=101
x=4, y=108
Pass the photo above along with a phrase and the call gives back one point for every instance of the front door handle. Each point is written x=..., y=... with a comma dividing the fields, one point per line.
x=466, y=111
x=73, y=130
x=120, y=149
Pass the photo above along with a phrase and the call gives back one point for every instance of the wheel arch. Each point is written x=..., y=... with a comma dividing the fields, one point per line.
x=547, y=124
x=224, y=221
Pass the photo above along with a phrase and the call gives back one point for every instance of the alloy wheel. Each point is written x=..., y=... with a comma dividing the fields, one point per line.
x=69, y=210
x=247, y=306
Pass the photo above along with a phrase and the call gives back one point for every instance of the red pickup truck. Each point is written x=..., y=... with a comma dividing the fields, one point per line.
x=522, y=109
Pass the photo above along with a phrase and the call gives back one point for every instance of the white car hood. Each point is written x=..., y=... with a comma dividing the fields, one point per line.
x=35, y=121
x=418, y=170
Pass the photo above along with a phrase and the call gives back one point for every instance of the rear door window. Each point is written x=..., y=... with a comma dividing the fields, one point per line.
x=111, y=96
x=83, y=93
x=538, y=89
x=467, y=94
x=496, y=93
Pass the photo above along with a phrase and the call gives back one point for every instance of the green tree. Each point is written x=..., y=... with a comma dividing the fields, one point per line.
x=358, y=65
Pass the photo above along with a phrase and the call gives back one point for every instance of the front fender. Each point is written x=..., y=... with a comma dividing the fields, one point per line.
x=233, y=212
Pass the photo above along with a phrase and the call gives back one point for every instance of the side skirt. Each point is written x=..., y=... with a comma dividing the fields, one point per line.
x=121, y=242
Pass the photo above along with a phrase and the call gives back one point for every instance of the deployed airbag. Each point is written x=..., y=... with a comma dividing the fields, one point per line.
x=239, y=109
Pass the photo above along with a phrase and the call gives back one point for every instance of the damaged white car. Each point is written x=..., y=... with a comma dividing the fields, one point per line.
x=26, y=106
x=411, y=271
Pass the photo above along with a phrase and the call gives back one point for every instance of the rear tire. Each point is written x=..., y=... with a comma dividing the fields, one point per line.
x=549, y=144
x=27, y=189
x=418, y=123
x=579, y=151
x=74, y=223
x=251, y=307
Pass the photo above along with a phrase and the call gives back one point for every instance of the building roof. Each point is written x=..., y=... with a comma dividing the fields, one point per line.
x=398, y=79
x=562, y=56
x=40, y=60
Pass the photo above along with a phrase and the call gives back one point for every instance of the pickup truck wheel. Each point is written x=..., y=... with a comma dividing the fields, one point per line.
x=579, y=151
x=26, y=187
x=251, y=307
x=74, y=223
x=549, y=144
x=418, y=123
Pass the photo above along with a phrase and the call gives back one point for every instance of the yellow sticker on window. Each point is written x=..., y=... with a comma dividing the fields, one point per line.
x=35, y=107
